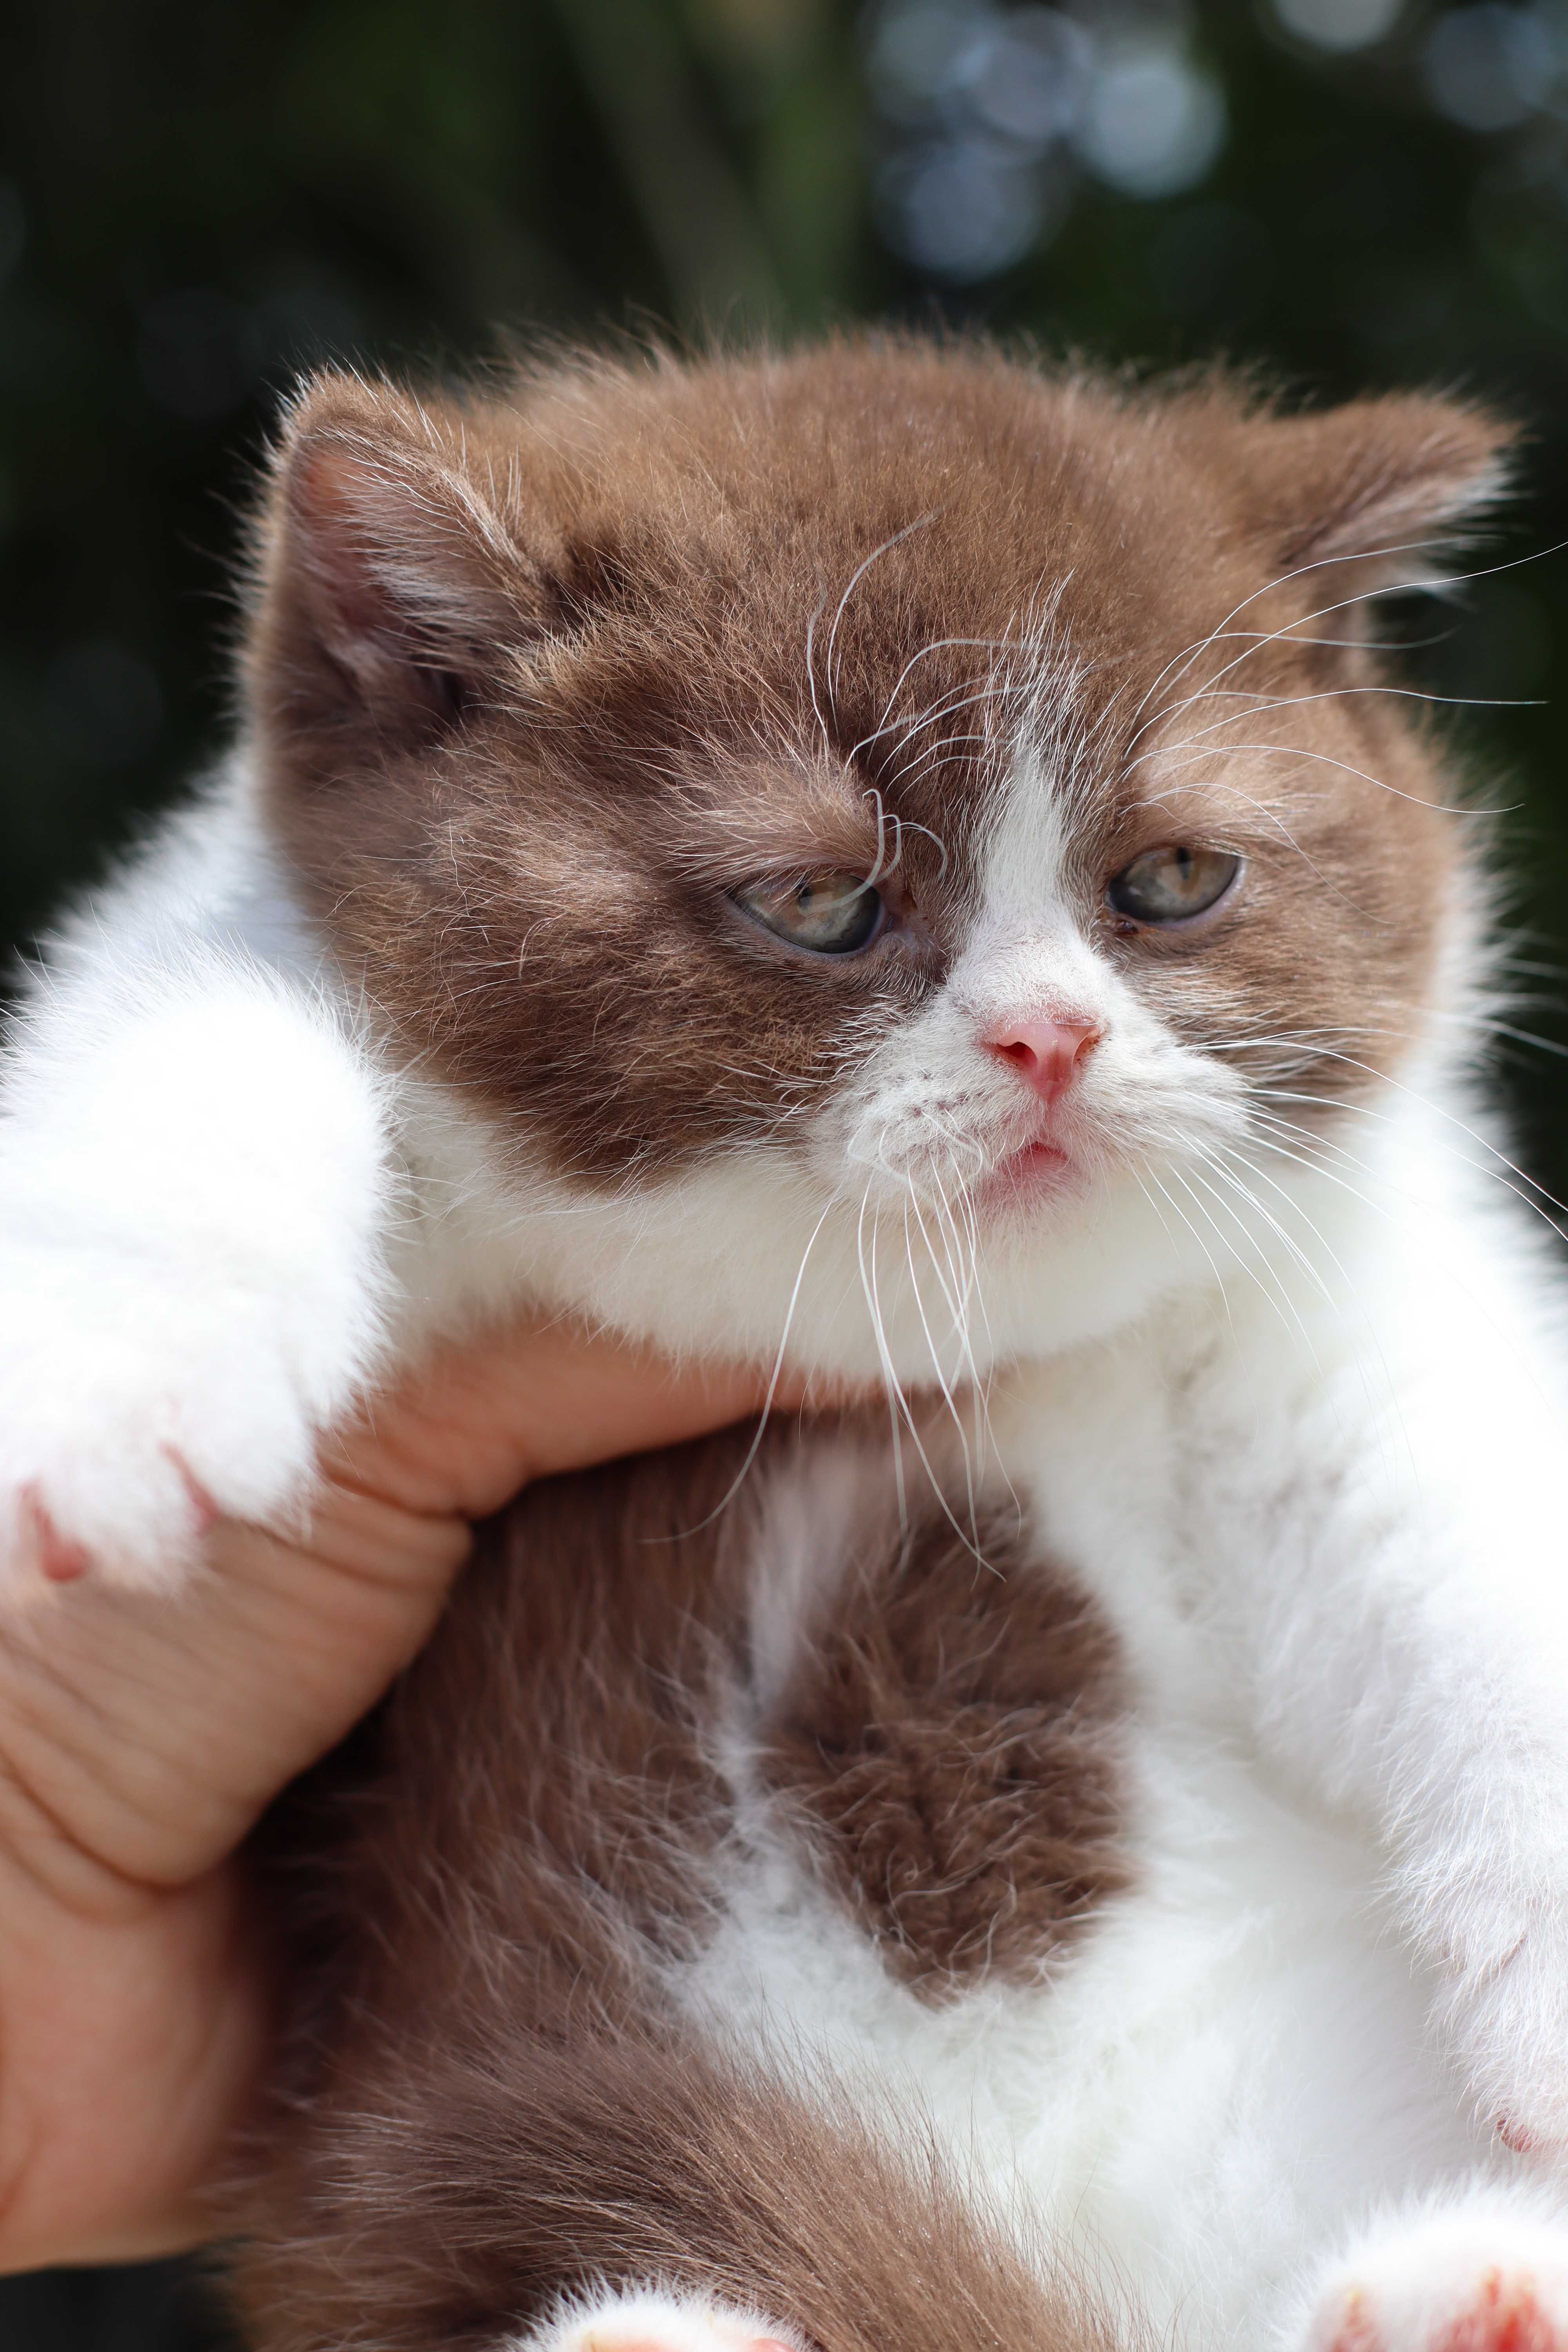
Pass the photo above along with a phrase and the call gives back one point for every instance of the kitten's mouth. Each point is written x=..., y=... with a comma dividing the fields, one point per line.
x=1026, y=1176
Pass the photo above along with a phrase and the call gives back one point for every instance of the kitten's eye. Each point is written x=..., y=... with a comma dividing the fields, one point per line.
x=1168, y=886
x=832, y=914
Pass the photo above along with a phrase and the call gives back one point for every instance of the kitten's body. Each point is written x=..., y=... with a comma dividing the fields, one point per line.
x=1154, y=1789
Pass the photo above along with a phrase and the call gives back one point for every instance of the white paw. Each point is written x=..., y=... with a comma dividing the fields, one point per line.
x=132, y=1411
x=660, y=2322
x=194, y=1180
x=1508, y=2025
x=1458, y=2282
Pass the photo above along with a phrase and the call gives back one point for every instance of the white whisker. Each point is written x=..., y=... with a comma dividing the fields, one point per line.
x=755, y=1446
x=921, y=522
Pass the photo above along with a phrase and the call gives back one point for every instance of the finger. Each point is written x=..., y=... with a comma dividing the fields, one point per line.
x=147, y=1735
x=141, y=1737
x=482, y=1418
x=129, y=2048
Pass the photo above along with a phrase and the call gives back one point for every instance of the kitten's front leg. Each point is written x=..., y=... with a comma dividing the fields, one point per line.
x=195, y=1189
x=1399, y=1613
x=1438, y=1708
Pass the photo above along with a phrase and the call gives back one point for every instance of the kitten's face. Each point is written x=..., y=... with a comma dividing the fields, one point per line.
x=883, y=795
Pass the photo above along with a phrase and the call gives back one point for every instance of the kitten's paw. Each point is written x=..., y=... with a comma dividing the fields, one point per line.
x=1509, y=2026
x=132, y=1414
x=660, y=2322
x=123, y=1479
x=1458, y=2283
x=196, y=1182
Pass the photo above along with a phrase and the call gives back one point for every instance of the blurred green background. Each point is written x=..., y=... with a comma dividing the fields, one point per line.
x=197, y=200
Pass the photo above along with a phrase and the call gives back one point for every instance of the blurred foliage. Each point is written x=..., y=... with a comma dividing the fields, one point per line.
x=197, y=200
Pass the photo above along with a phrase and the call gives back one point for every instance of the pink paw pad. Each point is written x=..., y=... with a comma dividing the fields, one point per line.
x=1506, y=2316
x=61, y=1561
x=1498, y=2308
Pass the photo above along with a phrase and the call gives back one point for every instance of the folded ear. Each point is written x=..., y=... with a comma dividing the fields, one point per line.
x=393, y=586
x=1383, y=484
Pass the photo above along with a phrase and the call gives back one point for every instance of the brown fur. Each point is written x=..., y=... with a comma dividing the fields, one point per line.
x=486, y=2099
x=495, y=2171
x=531, y=681
x=948, y=1743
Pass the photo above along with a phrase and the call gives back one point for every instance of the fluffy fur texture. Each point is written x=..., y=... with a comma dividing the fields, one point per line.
x=942, y=1745
x=508, y=2095
x=1098, y=1844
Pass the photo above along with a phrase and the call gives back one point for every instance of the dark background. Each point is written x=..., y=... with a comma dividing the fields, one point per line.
x=197, y=200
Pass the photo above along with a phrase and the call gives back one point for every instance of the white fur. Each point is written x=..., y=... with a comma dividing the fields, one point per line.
x=1301, y=1428
x=655, y=2318
x=196, y=1195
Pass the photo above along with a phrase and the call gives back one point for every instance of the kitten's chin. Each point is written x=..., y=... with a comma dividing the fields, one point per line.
x=746, y=1259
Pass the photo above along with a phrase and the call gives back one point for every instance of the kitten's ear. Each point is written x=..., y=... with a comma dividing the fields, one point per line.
x=391, y=586
x=1382, y=486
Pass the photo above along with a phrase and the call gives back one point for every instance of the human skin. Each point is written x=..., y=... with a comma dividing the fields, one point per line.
x=142, y=1735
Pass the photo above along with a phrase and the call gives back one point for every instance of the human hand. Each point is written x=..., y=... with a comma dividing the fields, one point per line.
x=142, y=1735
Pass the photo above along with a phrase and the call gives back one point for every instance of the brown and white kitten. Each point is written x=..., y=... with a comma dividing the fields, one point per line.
x=892, y=859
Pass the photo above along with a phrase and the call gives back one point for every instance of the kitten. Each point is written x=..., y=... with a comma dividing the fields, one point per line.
x=891, y=860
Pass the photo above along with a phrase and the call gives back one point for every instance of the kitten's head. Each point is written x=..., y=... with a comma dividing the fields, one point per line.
x=884, y=793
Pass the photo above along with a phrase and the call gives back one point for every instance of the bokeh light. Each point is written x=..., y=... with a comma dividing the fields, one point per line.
x=1341, y=25
x=1153, y=124
x=1493, y=66
x=990, y=115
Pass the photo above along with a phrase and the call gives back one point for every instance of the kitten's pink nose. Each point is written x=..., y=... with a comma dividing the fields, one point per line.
x=1047, y=1054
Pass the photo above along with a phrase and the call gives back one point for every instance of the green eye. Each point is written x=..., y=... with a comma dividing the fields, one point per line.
x=1171, y=886
x=831, y=914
